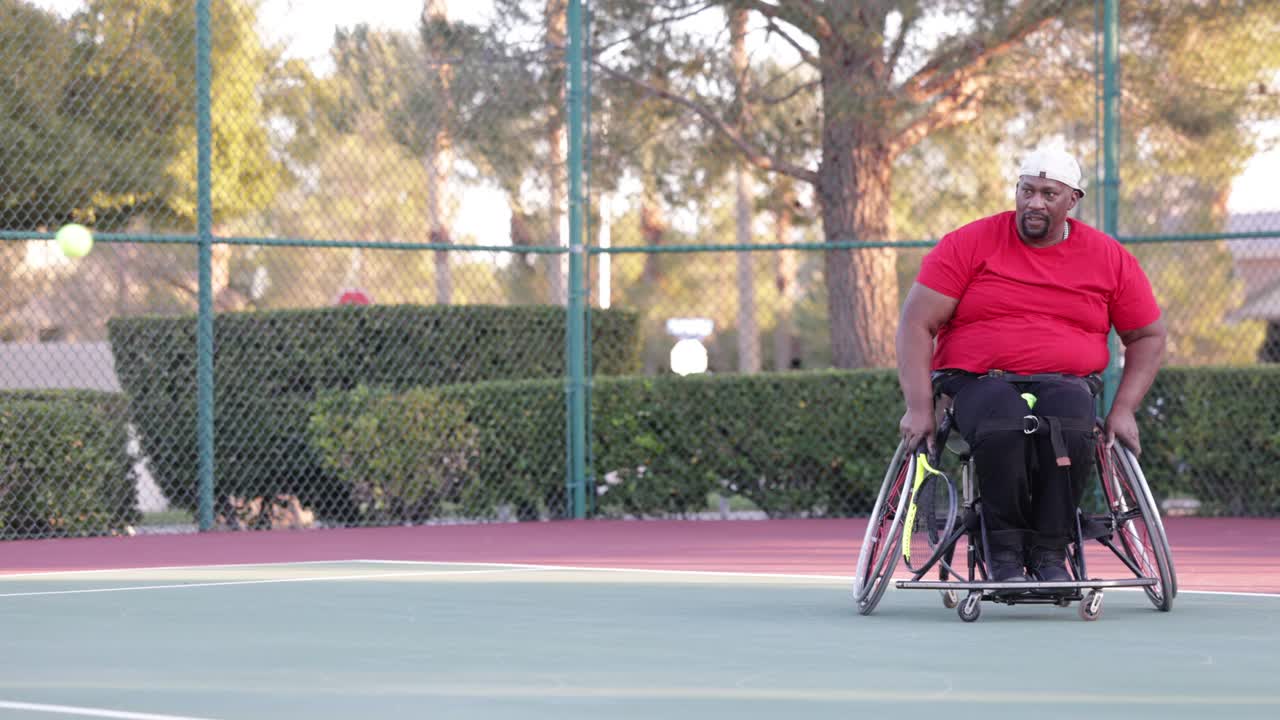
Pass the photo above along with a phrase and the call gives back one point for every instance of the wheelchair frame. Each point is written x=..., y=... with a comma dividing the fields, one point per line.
x=1130, y=527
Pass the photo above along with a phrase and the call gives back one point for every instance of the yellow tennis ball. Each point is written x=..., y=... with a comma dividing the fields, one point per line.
x=74, y=240
x=1031, y=400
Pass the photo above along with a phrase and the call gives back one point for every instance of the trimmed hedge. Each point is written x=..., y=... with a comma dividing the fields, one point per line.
x=793, y=443
x=1213, y=434
x=480, y=451
x=270, y=366
x=401, y=457
x=64, y=465
x=803, y=443
x=661, y=445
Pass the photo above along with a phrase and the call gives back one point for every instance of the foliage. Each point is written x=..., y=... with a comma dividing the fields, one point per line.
x=809, y=444
x=661, y=445
x=400, y=456
x=1210, y=434
x=270, y=367
x=64, y=465
x=99, y=119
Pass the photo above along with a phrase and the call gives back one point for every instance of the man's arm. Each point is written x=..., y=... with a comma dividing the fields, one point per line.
x=1143, y=352
x=923, y=312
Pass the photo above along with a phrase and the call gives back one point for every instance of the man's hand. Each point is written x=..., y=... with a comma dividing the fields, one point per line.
x=918, y=425
x=1123, y=426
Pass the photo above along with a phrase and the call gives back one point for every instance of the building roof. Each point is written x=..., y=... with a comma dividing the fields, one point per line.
x=46, y=366
x=1267, y=247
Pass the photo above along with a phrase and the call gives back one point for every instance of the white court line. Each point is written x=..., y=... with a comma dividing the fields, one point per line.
x=657, y=571
x=275, y=581
x=90, y=712
x=141, y=568
x=491, y=567
x=734, y=573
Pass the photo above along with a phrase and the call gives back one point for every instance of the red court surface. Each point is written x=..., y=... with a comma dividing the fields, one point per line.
x=1209, y=553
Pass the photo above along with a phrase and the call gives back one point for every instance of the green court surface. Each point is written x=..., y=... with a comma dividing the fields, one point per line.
x=391, y=640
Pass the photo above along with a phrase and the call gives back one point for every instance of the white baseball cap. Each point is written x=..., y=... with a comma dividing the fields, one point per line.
x=1055, y=164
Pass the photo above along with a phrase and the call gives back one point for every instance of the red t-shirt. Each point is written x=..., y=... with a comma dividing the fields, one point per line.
x=1034, y=310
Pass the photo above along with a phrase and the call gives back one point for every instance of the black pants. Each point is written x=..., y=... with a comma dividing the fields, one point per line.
x=1027, y=498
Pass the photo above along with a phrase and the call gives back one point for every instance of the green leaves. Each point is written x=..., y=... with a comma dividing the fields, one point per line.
x=64, y=468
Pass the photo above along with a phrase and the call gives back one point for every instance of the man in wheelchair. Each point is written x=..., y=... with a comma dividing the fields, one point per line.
x=1021, y=303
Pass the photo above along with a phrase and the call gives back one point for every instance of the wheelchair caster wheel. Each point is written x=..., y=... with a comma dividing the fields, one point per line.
x=1091, y=605
x=950, y=599
x=971, y=607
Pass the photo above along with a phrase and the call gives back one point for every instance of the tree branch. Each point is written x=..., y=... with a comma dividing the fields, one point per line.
x=959, y=64
x=958, y=107
x=772, y=26
x=755, y=155
x=900, y=42
x=803, y=14
x=632, y=37
x=765, y=99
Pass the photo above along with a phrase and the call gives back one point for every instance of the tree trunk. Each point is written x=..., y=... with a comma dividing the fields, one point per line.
x=785, y=353
x=748, y=334
x=604, y=240
x=557, y=141
x=862, y=285
x=439, y=160
x=653, y=225
x=854, y=192
x=1270, y=350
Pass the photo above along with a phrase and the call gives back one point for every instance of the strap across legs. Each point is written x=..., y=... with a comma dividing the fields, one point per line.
x=1039, y=425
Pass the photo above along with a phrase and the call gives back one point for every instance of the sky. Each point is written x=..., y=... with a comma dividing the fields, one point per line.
x=306, y=27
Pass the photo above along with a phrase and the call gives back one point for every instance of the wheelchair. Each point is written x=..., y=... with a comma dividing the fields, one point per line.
x=921, y=517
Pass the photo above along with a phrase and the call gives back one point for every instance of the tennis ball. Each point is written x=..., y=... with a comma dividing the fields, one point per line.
x=74, y=240
x=1031, y=400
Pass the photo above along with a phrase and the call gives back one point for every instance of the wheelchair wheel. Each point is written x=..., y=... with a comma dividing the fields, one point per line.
x=1138, y=529
x=879, y=554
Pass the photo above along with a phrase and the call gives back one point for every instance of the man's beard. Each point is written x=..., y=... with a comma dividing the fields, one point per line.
x=1034, y=234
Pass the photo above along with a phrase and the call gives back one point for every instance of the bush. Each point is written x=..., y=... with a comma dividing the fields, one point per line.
x=1213, y=434
x=661, y=445
x=817, y=443
x=401, y=457
x=793, y=443
x=270, y=366
x=64, y=465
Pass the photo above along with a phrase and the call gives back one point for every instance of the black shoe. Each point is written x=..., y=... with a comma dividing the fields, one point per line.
x=1049, y=564
x=1005, y=555
x=1006, y=566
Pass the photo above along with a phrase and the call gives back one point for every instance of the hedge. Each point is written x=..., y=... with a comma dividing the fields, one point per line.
x=64, y=465
x=270, y=366
x=660, y=445
x=485, y=450
x=1213, y=434
x=798, y=443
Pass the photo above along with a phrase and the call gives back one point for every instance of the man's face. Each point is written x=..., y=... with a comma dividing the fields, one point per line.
x=1042, y=204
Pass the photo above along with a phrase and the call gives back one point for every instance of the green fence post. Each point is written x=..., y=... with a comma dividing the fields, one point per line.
x=589, y=476
x=204, y=235
x=1111, y=175
x=575, y=340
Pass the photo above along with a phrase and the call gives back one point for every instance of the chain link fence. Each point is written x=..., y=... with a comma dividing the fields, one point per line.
x=390, y=213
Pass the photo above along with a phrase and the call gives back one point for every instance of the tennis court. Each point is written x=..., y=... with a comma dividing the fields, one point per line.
x=409, y=634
